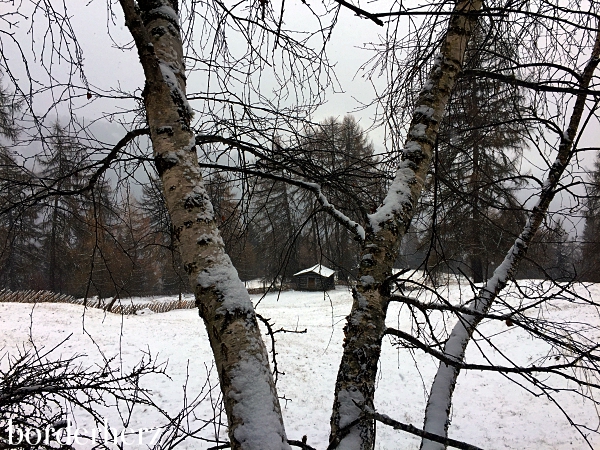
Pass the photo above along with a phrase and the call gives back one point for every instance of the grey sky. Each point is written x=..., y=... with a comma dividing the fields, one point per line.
x=108, y=67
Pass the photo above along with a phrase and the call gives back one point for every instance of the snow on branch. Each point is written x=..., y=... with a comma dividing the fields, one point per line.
x=344, y=220
x=294, y=443
x=452, y=361
x=367, y=413
x=340, y=217
x=360, y=12
x=418, y=432
x=399, y=193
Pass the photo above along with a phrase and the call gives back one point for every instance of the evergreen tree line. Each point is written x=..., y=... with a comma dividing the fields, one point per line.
x=97, y=242
x=109, y=243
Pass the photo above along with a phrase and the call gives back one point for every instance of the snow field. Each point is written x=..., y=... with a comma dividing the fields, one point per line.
x=489, y=410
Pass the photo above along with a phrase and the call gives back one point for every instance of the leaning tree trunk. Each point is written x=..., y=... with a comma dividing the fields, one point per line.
x=251, y=403
x=437, y=412
x=355, y=386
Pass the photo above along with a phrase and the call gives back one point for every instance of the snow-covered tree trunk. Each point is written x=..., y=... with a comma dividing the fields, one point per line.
x=437, y=413
x=365, y=328
x=251, y=403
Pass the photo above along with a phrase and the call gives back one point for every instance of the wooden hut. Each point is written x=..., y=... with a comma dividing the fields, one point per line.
x=315, y=278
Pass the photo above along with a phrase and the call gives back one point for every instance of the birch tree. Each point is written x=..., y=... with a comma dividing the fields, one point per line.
x=253, y=411
x=437, y=415
x=365, y=328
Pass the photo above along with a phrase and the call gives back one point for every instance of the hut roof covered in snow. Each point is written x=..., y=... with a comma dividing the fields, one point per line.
x=315, y=278
x=318, y=269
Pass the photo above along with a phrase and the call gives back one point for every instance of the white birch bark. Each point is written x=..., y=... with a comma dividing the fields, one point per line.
x=355, y=386
x=437, y=412
x=251, y=403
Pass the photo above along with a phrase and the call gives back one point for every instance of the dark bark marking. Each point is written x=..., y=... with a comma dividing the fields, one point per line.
x=195, y=200
x=157, y=32
x=163, y=130
x=204, y=241
x=224, y=351
x=190, y=267
x=164, y=163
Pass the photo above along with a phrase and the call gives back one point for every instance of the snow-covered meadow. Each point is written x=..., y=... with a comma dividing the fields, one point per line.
x=489, y=410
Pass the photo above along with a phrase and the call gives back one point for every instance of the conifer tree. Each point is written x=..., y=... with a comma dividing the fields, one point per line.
x=234, y=224
x=172, y=278
x=275, y=217
x=18, y=227
x=62, y=171
x=476, y=166
x=351, y=179
x=590, y=249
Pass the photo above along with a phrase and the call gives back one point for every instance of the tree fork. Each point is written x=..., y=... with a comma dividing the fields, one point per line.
x=365, y=328
x=251, y=403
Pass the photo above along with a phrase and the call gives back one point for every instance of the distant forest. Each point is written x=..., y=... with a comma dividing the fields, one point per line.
x=109, y=242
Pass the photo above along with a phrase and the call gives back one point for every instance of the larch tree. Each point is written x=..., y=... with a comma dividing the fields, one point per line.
x=343, y=160
x=63, y=220
x=477, y=166
x=274, y=215
x=234, y=224
x=18, y=228
x=172, y=276
x=591, y=234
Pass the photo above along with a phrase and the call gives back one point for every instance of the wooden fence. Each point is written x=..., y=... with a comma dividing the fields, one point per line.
x=118, y=307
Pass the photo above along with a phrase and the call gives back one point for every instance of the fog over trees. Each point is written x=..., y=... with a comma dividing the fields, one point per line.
x=222, y=175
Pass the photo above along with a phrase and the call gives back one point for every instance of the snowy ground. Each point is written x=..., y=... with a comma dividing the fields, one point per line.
x=489, y=410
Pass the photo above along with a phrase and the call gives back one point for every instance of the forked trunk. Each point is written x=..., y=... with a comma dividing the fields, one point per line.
x=355, y=386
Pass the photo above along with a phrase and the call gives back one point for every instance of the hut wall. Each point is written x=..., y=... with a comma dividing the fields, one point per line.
x=314, y=282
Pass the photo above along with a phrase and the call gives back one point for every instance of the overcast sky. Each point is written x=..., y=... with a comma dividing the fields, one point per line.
x=108, y=67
